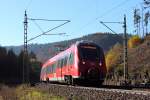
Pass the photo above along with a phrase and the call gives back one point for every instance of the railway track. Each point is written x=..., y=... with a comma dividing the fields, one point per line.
x=92, y=93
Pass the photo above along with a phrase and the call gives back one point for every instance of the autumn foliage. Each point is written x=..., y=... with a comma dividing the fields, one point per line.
x=134, y=41
x=114, y=55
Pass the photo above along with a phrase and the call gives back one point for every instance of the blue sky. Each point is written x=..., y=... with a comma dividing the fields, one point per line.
x=83, y=14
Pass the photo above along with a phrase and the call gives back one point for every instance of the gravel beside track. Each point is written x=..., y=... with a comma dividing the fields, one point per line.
x=89, y=93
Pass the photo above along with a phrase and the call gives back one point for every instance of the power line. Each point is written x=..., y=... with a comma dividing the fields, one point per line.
x=38, y=26
x=56, y=34
x=26, y=69
x=125, y=59
x=104, y=14
x=109, y=27
x=29, y=3
x=47, y=19
x=113, y=9
x=44, y=33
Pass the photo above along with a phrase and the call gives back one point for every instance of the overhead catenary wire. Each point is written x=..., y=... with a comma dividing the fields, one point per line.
x=28, y=5
x=44, y=33
x=125, y=46
x=112, y=9
x=104, y=14
x=39, y=27
x=48, y=20
x=56, y=34
x=108, y=27
x=26, y=71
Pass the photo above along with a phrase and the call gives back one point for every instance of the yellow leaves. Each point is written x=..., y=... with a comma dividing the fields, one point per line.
x=134, y=41
x=113, y=56
x=109, y=58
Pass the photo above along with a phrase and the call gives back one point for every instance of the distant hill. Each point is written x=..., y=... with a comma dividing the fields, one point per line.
x=45, y=51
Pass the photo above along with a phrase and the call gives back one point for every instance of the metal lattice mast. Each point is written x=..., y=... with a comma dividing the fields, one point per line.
x=125, y=51
x=26, y=69
x=25, y=54
x=125, y=59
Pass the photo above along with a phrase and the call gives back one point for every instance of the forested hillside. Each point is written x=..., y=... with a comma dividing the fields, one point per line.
x=138, y=60
x=11, y=67
x=45, y=51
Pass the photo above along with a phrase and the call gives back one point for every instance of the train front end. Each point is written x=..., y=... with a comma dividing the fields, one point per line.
x=91, y=65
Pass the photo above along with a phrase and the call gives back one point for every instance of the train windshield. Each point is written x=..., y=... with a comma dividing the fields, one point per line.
x=89, y=52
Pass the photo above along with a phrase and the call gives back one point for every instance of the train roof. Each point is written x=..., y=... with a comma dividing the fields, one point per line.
x=59, y=55
x=67, y=51
x=87, y=43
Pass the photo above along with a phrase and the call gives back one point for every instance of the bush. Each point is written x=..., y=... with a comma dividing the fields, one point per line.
x=114, y=55
x=134, y=41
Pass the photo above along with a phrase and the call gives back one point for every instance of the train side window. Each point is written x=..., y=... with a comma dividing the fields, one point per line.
x=47, y=70
x=61, y=63
x=71, y=58
x=54, y=67
x=65, y=61
x=50, y=69
x=57, y=64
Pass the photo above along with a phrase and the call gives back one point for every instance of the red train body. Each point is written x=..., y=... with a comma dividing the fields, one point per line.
x=82, y=62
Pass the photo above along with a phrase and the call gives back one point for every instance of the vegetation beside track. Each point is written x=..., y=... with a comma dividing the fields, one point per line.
x=25, y=92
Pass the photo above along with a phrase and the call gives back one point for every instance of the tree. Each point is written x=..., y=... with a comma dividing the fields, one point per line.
x=147, y=2
x=35, y=68
x=20, y=67
x=137, y=19
x=3, y=54
x=3, y=57
x=147, y=15
x=134, y=41
x=12, y=65
x=114, y=56
x=146, y=21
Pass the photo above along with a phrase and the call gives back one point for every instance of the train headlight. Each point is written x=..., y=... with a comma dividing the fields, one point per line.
x=100, y=63
x=83, y=62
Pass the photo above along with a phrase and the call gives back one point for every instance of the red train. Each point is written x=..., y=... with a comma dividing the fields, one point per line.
x=83, y=62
